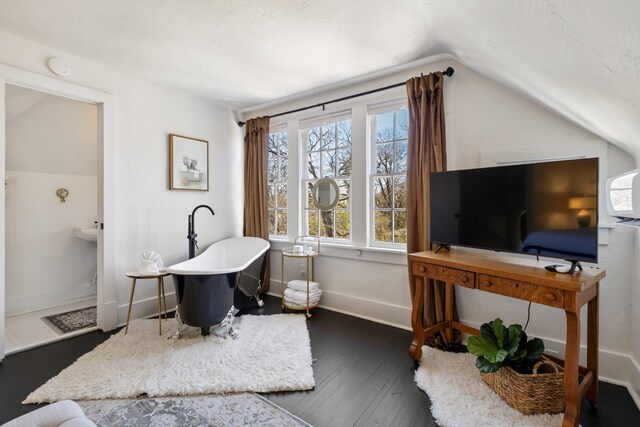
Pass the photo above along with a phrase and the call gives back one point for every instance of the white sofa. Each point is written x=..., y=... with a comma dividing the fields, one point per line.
x=65, y=413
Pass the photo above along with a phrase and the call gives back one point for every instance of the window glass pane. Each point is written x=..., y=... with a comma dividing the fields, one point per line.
x=313, y=165
x=401, y=156
x=621, y=199
x=382, y=224
x=273, y=144
x=272, y=222
x=343, y=225
x=344, y=162
x=282, y=222
x=400, y=223
x=402, y=124
x=382, y=192
x=273, y=170
x=310, y=203
x=624, y=181
x=344, y=133
x=384, y=127
x=326, y=224
x=314, y=139
x=328, y=136
x=282, y=196
x=312, y=223
x=399, y=192
x=328, y=163
x=345, y=193
x=284, y=147
x=384, y=158
x=284, y=164
x=271, y=196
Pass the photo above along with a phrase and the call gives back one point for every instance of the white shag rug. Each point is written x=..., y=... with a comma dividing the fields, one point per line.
x=459, y=398
x=272, y=353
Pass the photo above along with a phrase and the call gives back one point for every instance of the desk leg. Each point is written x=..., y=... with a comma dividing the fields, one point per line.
x=160, y=305
x=571, y=384
x=415, y=349
x=133, y=289
x=449, y=312
x=593, y=345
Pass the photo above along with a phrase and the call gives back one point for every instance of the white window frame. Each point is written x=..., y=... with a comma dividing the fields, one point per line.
x=373, y=110
x=305, y=126
x=274, y=130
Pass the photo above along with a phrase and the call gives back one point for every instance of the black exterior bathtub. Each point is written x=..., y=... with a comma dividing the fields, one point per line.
x=223, y=279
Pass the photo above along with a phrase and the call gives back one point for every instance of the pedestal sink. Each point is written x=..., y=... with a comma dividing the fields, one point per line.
x=89, y=233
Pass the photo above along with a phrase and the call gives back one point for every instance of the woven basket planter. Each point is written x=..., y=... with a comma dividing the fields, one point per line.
x=541, y=392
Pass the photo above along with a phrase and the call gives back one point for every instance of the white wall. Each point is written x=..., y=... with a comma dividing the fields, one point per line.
x=480, y=117
x=148, y=215
x=51, y=143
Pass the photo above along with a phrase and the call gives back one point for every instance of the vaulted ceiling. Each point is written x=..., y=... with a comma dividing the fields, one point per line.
x=579, y=58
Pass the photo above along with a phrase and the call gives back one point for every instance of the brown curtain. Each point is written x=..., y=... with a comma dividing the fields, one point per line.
x=256, y=215
x=426, y=153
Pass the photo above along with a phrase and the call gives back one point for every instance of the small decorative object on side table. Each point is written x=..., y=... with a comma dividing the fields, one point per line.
x=307, y=248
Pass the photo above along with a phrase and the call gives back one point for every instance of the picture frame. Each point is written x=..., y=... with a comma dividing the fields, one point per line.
x=188, y=163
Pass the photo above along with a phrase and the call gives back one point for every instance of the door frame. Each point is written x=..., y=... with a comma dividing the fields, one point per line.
x=106, y=288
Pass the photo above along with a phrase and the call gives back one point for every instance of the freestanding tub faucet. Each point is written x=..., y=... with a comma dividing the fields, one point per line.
x=193, y=243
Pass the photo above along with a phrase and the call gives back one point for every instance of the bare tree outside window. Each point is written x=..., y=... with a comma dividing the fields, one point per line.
x=388, y=177
x=277, y=174
x=328, y=155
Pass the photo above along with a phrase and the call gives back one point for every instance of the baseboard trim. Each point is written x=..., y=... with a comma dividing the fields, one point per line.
x=363, y=308
x=49, y=299
x=634, y=382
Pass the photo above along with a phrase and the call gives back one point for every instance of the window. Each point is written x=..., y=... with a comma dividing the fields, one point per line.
x=621, y=192
x=277, y=175
x=327, y=154
x=389, y=132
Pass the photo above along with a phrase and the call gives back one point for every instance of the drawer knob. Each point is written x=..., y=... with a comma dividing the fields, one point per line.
x=464, y=279
x=485, y=283
x=550, y=296
x=421, y=269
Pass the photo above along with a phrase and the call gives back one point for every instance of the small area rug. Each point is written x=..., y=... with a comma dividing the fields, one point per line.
x=220, y=411
x=459, y=398
x=72, y=321
x=272, y=353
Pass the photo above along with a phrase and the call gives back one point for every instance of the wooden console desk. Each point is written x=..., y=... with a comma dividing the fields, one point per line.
x=524, y=279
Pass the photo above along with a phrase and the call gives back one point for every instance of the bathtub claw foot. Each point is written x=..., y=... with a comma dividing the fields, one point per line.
x=233, y=334
x=259, y=301
x=181, y=326
x=224, y=328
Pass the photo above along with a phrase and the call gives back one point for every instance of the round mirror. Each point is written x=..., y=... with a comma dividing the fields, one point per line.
x=326, y=194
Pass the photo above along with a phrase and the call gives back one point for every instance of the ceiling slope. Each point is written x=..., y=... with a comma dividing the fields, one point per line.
x=581, y=59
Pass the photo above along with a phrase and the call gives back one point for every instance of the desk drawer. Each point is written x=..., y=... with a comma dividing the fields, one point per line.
x=446, y=274
x=521, y=290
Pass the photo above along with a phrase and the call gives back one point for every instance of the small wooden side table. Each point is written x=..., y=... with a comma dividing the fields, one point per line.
x=134, y=275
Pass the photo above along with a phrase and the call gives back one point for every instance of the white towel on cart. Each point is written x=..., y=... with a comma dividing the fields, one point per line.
x=299, y=297
x=301, y=285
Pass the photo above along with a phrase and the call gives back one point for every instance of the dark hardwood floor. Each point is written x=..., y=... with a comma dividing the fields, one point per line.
x=364, y=377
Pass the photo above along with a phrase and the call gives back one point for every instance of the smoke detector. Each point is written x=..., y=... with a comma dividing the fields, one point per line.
x=59, y=67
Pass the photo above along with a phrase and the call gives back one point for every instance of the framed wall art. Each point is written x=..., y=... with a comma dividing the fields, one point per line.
x=188, y=163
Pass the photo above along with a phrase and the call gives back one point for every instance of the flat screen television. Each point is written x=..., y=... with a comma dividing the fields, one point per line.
x=548, y=209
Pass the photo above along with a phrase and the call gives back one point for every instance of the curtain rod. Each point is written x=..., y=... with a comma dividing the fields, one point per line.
x=448, y=72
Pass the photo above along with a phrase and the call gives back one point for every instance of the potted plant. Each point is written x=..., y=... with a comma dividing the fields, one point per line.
x=513, y=366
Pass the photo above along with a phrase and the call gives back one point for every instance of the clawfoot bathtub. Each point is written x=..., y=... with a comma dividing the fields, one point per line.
x=213, y=286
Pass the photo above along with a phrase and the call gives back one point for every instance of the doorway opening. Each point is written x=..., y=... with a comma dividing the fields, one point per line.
x=51, y=217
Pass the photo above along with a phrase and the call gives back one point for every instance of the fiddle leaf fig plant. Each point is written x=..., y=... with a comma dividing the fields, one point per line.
x=498, y=346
